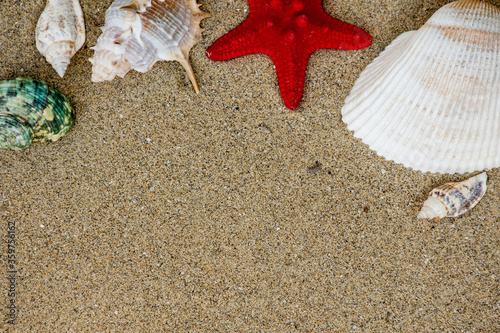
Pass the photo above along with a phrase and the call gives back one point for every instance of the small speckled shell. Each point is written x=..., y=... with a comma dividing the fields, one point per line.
x=138, y=33
x=60, y=32
x=31, y=110
x=431, y=100
x=453, y=199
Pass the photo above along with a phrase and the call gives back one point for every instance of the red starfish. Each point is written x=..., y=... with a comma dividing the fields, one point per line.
x=288, y=31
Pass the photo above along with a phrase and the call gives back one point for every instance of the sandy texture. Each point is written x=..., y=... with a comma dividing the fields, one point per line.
x=164, y=210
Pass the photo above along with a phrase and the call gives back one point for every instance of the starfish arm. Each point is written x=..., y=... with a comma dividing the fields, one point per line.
x=259, y=7
x=241, y=41
x=336, y=34
x=291, y=71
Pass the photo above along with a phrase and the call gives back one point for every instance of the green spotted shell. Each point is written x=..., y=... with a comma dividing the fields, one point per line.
x=31, y=110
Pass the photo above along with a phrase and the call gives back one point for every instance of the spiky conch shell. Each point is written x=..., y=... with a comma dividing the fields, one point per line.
x=431, y=100
x=60, y=32
x=454, y=199
x=31, y=110
x=138, y=33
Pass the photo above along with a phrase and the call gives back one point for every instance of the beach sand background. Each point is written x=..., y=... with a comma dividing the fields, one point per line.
x=164, y=210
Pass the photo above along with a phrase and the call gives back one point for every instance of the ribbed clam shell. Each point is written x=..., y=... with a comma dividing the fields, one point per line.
x=31, y=110
x=60, y=32
x=138, y=33
x=431, y=100
x=453, y=199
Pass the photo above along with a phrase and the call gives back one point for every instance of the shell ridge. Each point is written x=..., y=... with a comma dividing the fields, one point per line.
x=410, y=97
x=352, y=114
x=493, y=125
x=389, y=76
x=379, y=73
x=444, y=102
x=466, y=130
x=405, y=94
x=477, y=121
x=446, y=121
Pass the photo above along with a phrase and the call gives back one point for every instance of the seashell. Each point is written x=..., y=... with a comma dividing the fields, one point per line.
x=138, y=33
x=453, y=199
x=431, y=100
x=60, y=32
x=31, y=110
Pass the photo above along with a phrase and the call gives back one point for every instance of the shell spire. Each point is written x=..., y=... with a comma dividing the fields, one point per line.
x=60, y=32
x=454, y=199
x=138, y=33
x=431, y=99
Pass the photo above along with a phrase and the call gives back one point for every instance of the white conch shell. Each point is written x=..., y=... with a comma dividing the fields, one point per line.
x=60, y=32
x=431, y=100
x=138, y=33
x=453, y=199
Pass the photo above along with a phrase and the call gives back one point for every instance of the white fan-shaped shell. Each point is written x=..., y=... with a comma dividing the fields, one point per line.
x=60, y=32
x=453, y=199
x=431, y=100
x=138, y=33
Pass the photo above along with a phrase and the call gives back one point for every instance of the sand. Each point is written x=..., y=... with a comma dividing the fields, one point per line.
x=164, y=210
